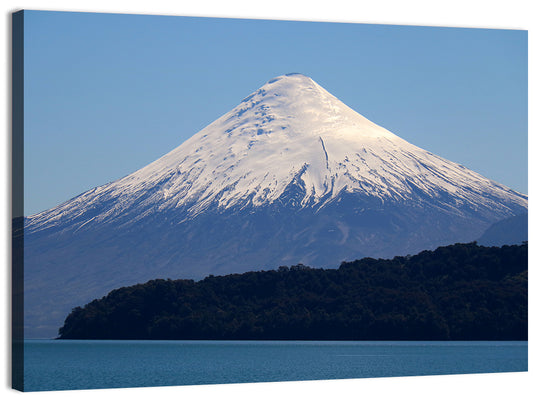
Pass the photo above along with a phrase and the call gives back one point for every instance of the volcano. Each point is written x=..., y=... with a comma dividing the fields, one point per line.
x=290, y=175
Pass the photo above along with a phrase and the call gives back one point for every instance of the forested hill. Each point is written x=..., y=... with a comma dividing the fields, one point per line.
x=458, y=292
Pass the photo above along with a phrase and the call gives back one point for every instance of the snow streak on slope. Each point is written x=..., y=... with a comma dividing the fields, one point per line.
x=290, y=130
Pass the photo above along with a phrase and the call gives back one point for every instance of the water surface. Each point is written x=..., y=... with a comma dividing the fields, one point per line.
x=60, y=365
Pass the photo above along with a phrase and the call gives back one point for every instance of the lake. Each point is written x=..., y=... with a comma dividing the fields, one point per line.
x=65, y=364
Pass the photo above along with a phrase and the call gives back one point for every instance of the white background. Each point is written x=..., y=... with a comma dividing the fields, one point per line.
x=509, y=14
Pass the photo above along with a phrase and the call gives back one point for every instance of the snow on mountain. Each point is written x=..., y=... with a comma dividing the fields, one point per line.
x=289, y=127
x=290, y=175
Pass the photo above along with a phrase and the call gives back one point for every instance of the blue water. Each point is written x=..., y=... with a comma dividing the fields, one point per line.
x=60, y=365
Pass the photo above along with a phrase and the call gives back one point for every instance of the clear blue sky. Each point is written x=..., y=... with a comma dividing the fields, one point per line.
x=106, y=94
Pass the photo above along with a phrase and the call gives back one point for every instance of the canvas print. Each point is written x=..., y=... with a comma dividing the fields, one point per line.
x=204, y=201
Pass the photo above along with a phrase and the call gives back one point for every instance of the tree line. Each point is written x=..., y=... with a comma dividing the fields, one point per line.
x=457, y=292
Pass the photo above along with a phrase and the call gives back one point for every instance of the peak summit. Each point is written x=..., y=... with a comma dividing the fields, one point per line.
x=294, y=103
x=290, y=76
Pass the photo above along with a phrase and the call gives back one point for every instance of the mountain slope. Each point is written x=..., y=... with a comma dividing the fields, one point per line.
x=289, y=175
x=510, y=231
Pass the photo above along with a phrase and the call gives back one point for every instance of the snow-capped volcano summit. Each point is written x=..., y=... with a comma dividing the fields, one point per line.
x=290, y=129
x=291, y=174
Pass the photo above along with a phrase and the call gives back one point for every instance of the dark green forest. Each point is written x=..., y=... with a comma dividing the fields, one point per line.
x=457, y=292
